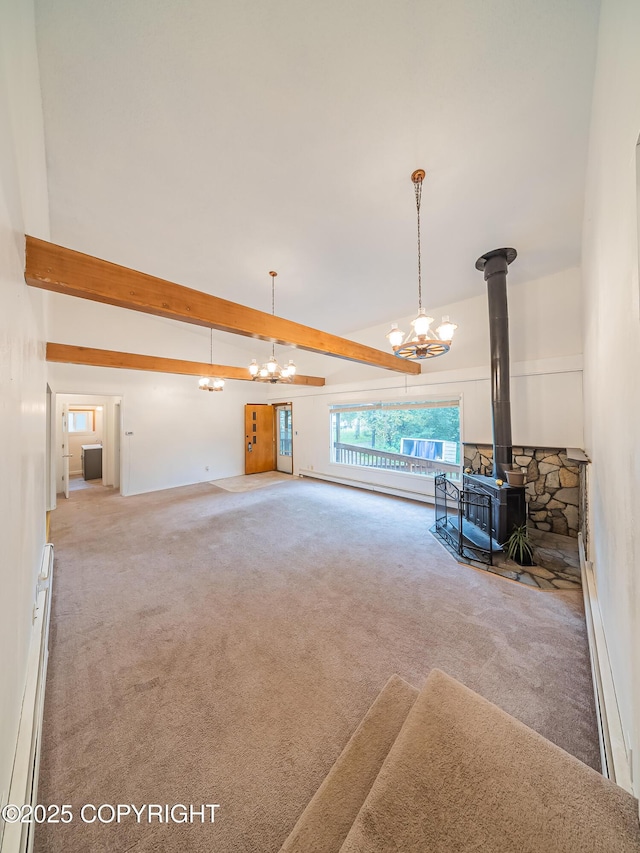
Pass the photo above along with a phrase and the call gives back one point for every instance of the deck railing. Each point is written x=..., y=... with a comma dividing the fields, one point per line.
x=353, y=454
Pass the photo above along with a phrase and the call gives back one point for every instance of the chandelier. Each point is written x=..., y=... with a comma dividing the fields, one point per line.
x=271, y=371
x=208, y=383
x=422, y=341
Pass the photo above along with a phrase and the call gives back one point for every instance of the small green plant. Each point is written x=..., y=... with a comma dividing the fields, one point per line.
x=518, y=546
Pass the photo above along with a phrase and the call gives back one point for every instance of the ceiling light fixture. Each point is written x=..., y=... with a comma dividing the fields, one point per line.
x=422, y=341
x=208, y=383
x=271, y=371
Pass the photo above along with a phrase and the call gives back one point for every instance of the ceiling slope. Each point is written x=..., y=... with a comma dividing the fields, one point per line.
x=209, y=142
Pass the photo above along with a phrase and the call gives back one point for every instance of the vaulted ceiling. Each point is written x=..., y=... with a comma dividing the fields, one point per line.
x=210, y=142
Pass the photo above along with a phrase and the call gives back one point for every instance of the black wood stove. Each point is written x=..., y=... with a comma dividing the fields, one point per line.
x=508, y=506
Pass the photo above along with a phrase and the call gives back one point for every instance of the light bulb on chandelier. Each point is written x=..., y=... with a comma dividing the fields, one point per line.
x=422, y=342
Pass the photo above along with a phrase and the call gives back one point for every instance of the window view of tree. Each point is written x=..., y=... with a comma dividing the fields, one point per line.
x=421, y=431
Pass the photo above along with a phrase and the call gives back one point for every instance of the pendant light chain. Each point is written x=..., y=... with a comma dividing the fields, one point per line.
x=423, y=341
x=273, y=310
x=210, y=383
x=418, y=188
x=271, y=370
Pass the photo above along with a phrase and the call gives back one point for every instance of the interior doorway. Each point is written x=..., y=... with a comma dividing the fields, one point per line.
x=268, y=430
x=85, y=437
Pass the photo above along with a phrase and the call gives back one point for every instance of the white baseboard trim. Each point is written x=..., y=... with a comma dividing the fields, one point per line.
x=613, y=753
x=18, y=837
x=369, y=487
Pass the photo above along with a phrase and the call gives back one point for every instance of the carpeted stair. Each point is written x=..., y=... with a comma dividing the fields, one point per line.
x=446, y=771
x=326, y=821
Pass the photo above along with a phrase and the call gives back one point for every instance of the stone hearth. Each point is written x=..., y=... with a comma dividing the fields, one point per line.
x=557, y=562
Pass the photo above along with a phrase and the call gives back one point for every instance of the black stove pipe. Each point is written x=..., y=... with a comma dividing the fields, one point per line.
x=494, y=264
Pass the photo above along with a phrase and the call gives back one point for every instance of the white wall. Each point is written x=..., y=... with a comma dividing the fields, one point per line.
x=178, y=434
x=178, y=431
x=546, y=380
x=23, y=207
x=612, y=358
x=544, y=322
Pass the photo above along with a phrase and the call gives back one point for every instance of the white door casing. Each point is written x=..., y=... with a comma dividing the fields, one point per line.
x=65, y=450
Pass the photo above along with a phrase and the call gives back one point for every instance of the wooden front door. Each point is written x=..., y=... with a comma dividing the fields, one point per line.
x=260, y=445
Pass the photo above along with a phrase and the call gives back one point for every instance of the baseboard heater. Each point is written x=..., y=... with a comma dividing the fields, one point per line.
x=23, y=790
x=369, y=487
x=613, y=754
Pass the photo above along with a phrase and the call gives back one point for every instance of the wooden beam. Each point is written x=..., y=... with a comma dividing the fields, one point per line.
x=61, y=270
x=68, y=354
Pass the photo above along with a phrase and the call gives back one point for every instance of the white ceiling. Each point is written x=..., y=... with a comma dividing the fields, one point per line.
x=209, y=141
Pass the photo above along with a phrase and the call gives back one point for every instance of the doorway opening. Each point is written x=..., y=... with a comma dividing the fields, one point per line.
x=268, y=438
x=284, y=438
x=86, y=442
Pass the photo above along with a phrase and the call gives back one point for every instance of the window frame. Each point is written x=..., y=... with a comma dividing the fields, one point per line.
x=81, y=411
x=393, y=404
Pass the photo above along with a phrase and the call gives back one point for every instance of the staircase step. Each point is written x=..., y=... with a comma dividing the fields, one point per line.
x=327, y=819
x=463, y=775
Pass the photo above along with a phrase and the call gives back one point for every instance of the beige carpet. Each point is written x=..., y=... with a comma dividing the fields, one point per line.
x=214, y=647
x=464, y=776
x=250, y=482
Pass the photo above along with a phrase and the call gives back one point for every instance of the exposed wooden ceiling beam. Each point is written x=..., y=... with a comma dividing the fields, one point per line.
x=55, y=268
x=68, y=354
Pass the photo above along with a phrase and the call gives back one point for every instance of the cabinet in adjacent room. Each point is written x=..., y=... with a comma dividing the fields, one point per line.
x=92, y=461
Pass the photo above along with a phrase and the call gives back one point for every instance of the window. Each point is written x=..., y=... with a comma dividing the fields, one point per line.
x=413, y=438
x=284, y=432
x=82, y=420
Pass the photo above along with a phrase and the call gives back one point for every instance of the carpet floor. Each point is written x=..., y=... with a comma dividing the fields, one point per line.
x=250, y=482
x=215, y=647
